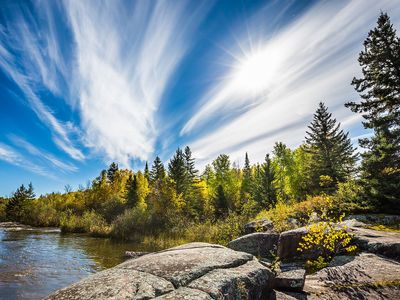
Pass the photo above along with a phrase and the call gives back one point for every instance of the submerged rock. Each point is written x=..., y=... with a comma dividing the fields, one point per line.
x=259, y=244
x=134, y=254
x=191, y=271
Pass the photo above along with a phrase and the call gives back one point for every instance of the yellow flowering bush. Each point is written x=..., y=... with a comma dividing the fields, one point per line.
x=326, y=239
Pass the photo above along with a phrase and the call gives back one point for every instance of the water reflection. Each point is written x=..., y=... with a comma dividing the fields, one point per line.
x=35, y=262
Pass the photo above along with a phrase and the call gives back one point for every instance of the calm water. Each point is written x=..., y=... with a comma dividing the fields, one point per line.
x=34, y=263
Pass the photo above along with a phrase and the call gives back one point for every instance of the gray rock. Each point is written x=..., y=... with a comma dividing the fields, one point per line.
x=379, y=242
x=258, y=226
x=192, y=271
x=135, y=254
x=367, y=276
x=290, y=280
x=181, y=266
x=289, y=243
x=184, y=293
x=248, y=281
x=115, y=284
x=375, y=218
x=280, y=295
x=258, y=244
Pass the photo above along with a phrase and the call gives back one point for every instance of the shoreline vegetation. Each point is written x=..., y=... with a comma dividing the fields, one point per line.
x=171, y=204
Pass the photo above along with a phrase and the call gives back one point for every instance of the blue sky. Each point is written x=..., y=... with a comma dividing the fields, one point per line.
x=85, y=83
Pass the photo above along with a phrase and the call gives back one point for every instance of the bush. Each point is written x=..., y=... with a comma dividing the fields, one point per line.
x=90, y=222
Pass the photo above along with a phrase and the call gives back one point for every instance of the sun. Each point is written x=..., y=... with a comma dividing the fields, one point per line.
x=255, y=71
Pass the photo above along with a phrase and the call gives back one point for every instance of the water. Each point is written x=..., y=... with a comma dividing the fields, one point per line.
x=35, y=262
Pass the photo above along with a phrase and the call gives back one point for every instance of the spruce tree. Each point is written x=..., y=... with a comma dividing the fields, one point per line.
x=268, y=190
x=15, y=206
x=379, y=89
x=332, y=153
x=177, y=171
x=147, y=172
x=220, y=203
x=132, y=191
x=157, y=170
x=112, y=171
x=247, y=180
x=191, y=172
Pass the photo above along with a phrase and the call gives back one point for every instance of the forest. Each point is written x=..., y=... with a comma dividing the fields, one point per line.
x=173, y=202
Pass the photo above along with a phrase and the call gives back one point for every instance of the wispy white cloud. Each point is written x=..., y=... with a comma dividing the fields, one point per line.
x=13, y=157
x=44, y=155
x=125, y=57
x=38, y=66
x=282, y=79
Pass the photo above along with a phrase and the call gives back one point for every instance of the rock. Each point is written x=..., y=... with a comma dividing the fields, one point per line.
x=279, y=295
x=116, y=284
x=352, y=223
x=341, y=260
x=248, y=281
x=192, y=271
x=291, y=279
x=288, y=244
x=379, y=242
x=375, y=218
x=258, y=244
x=367, y=276
x=14, y=226
x=135, y=254
x=184, y=293
x=258, y=225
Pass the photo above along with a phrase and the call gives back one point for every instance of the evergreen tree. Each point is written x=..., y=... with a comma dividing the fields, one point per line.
x=333, y=159
x=112, y=171
x=157, y=170
x=15, y=206
x=247, y=180
x=177, y=170
x=220, y=203
x=283, y=164
x=191, y=172
x=146, y=171
x=268, y=191
x=132, y=191
x=379, y=88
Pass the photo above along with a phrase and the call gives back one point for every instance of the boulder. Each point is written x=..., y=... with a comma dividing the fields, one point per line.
x=290, y=279
x=259, y=244
x=192, y=271
x=288, y=244
x=376, y=218
x=366, y=276
x=258, y=226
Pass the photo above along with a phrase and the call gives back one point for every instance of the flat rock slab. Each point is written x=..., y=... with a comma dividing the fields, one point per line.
x=258, y=244
x=192, y=271
x=290, y=280
x=183, y=265
x=115, y=284
x=367, y=276
x=379, y=242
x=279, y=295
x=248, y=281
x=184, y=293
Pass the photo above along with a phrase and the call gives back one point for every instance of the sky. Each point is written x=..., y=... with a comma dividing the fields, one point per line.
x=86, y=83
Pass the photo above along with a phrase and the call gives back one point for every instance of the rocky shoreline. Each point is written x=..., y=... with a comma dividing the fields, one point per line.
x=207, y=271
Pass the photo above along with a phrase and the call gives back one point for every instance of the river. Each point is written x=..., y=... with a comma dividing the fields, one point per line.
x=35, y=262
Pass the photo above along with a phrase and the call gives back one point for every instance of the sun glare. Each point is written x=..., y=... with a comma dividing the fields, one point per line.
x=255, y=72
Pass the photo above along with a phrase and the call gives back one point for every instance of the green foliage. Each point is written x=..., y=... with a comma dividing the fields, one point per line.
x=379, y=89
x=3, y=205
x=332, y=154
x=16, y=205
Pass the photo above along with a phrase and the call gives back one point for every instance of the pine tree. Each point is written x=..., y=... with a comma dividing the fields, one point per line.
x=220, y=203
x=247, y=180
x=146, y=171
x=15, y=206
x=191, y=172
x=157, y=170
x=177, y=171
x=379, y=88
x=333, y=158
x=112, y=171
x=268, y=190
x=132, y=191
